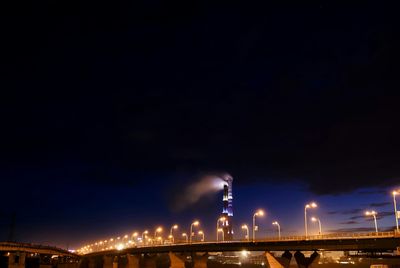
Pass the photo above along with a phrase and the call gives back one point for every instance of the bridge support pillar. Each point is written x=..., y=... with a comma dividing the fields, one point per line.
x=108, y=261
x=200, y=261
x=177, y=261
x=133, y=261
x=16, y=260
x=91, y=263
x=279, y=262
x=11, y=260
x=149, y=261
x=21, y=261
x=303, y=262
x=115, y=262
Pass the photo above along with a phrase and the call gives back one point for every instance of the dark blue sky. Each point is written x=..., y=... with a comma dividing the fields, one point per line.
x=110, y=110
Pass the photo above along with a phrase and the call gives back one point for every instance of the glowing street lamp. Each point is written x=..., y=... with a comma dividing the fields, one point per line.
x=310, y=205
x=202, y=235
x=134, y=236
x=258, y=213
x=245, y=227
x=395, y=209
x=186, y=236
x=124, y=239
x=314, y=219
x=171, y=235
x=220, y=230
x=144, y=233
x=373, y=214
x=221, y=219
x=279, y=229
x=195, y=223
x=157, y=231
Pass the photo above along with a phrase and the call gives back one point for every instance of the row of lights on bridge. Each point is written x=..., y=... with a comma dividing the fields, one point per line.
x=144, y=239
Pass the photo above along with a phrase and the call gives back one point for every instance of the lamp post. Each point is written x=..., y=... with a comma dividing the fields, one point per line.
x=158, y=230
x=258, y=213
x=171, y=235
x=222, y=232
x=186, y=236
x=144, y=233
x=245, y=227
x=195, y=223
x=314, y=219
x=219, y=219
x=134, y=236
x=125, y=238
x=373, y=214
x=395, y=210
x=279, y=229
x=202, y=235
x=310, y=205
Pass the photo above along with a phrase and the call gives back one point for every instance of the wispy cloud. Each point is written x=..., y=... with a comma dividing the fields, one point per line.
x=382, y=204
x=345, y=212
x=360, y=229
x=380, y=215
x=371, y=192
x=356, y=217
x=349, y=222
x=352, y=211
x=351, y=230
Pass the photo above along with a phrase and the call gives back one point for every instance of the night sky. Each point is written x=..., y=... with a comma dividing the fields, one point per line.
x=110, y=110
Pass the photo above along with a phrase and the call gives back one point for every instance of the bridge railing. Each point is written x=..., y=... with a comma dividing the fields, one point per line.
x=284, y=238
x=330, y=236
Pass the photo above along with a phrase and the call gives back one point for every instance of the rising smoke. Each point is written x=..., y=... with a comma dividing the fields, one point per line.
x=204, y=186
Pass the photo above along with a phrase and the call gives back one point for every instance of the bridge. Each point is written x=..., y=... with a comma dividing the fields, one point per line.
x=178, y=255
x=26, y=255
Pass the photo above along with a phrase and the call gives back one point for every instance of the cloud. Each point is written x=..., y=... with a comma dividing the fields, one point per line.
x=360, y=229
x=332, y=212
x=384, y=214
x=352, y=230
x=352, y=211
x=346, y=212
x=356, y=217
x=349, y=222
x=382, y=204
x=380, y=215
x=373, y=192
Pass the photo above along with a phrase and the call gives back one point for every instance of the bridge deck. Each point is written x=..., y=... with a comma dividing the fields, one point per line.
x=387, y=241
x=31, y=248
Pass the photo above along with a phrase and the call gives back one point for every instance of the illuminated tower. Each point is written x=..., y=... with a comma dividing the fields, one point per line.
x=227, y=211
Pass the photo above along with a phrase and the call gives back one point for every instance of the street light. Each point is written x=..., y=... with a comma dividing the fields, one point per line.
x=158, y=230
x=245, y=227
x=171, y=236
x=279, y=229
x=373, y=214
x=202, y=235
x=314, y=219
x=186, y=236
x=220, y=230
x=258, y=213
x=219, y=219
x=195, y=223
x=395, y=209
x=134, y=235
x=310, y=205
x=144, y=233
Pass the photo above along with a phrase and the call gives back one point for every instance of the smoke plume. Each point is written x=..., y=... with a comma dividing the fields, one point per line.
x=206, y=185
